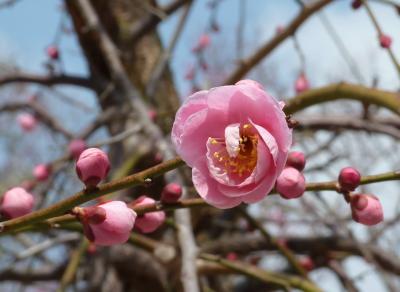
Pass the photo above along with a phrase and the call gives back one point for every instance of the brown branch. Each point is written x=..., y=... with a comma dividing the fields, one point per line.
x=40, y=112
x=150, y=21
x=247, y=64
x=349, y=123
x=314, y=245
x=48, y=80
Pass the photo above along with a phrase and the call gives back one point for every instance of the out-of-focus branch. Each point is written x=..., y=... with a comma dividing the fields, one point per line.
x=349, y=123
x=40, y=112
x=150, y=21
x=379, y=30
x=386, y=99
x=282, y=280
x=44, y=274
x=48, y=80
x=282, y=248
x=72, y=267
x=313, y=245
x=247, y=64
x=167, y=54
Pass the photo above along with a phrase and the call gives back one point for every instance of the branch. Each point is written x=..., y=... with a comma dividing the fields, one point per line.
x=150, y=21
x=335, y=123
x=247, y=64
x=282, y=280
x=48, y=80
x=88, y=195
x=386, y=99
x=40, y=112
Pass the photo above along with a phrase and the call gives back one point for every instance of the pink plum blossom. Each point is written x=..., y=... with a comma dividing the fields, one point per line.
x=16, y=202
x=203, y=42
x=366, y=209
x=27, y=122
x=171, y=193
x=151, y=221
x=301, y=84
x=41, y=172
x=385, y=41
x=76, y=147
x=290, y=183
x=108, y=223
x=92, y=166
x=236, y=140
x=297, y=160
x=52, y=52
x=349, y=179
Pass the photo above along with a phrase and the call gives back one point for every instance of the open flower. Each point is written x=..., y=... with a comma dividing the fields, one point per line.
x=236, y=140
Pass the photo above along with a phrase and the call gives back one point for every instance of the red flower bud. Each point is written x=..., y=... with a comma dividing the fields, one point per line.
x=349, y=179
x=297, y=160
x=92, y=166
x=171, y=193
x=366, y=209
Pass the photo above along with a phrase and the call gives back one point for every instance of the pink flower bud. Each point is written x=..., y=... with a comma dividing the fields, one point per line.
x=16, y=202
x=307, y=263
x=385, y=41
x=290, y=183
x=297, y=160
x=27, y=122
x=76, y=147
x=301, y=84
x=203, y=42
x=91, y=249
x=92, y=166
x=232, y=256
x=349, y=179
x=53, y=53
x=111, y=225
x=148, y=222
x=356, y=4
x=41, y=172
x=171, y=193
x=152, y=114
x=366, y=209
x=279, y=29
x=190, y=73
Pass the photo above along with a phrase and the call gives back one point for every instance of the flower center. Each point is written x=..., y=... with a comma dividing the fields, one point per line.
x=246, y=158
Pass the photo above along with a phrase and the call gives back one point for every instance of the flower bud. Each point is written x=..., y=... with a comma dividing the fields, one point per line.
x=356, y=4
x=297, y=160
x=53, y=53
x=366, y=209
x=204, y=42
x=152, y=114
x=306, y=263
x=92, y=166
x=76, y=147
x=290, y=183
x=232, y=256
x=190, y=73
x=385, y=41
x=41, y=172
x=16, y=202
x=349, y=179
x=151, y=221
x=108, y=223
x=171, y=193
x=27, y=122
x=301, y=83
